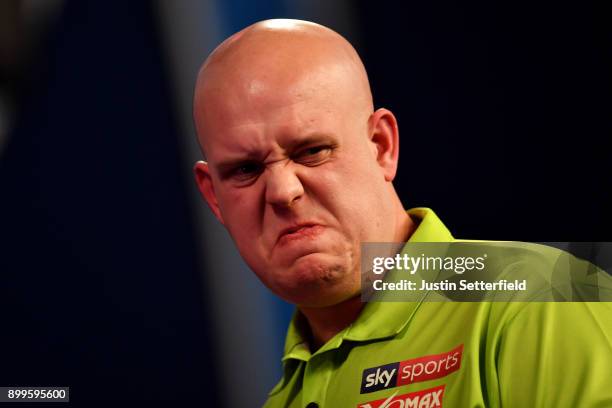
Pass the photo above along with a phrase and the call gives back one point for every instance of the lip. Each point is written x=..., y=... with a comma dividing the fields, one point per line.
x=298, y=231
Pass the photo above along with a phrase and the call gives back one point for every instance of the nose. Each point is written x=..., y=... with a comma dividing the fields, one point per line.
x=283, y=186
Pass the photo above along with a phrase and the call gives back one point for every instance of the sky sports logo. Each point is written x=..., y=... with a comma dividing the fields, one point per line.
x=411, y=371
x=429, y=398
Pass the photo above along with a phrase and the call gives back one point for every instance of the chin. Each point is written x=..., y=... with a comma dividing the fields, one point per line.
x=319, y=269
x=316, y=280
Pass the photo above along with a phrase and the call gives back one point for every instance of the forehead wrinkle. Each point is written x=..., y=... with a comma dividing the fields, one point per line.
x=249, y=144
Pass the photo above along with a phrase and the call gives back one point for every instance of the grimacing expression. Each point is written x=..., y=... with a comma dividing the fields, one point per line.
x=294, y=171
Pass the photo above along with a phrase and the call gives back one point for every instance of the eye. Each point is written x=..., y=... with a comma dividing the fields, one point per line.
x=315, y=155
x=246, y=171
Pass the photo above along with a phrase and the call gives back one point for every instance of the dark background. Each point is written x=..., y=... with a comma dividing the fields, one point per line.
x=100, y=287
x=503, y=112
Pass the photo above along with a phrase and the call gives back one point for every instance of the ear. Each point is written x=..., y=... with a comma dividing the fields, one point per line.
x=385, y=137
x=203, y=179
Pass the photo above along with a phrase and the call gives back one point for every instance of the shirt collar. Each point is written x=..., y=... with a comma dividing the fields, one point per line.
x=377, y=320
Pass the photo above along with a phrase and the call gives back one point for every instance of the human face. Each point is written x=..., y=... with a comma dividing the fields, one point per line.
x=294, y=177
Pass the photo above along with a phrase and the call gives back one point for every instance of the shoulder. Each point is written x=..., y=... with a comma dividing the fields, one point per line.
x=555, y=354
x=551, y=274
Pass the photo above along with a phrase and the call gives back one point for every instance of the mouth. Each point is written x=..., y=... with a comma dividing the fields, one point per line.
x=298, y=232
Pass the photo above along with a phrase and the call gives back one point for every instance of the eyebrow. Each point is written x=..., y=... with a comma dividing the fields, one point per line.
x=312, y=139
x=255, y=157
x=225, y=166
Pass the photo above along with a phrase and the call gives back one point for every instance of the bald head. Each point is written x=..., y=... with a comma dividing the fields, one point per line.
x=275, y=58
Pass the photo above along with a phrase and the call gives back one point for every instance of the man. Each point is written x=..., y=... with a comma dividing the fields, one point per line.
x=299, y=170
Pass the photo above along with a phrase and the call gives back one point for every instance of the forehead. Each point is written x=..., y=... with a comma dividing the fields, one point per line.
x=247, y=115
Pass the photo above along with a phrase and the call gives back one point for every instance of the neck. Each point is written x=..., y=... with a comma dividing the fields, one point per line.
x=325, y=322
x=404, y=224
x=405, y=227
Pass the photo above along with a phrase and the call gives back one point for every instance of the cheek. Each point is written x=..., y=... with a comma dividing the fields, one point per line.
x=340, y=193
x=239, y=209
x=351, y=190
x=242, y=221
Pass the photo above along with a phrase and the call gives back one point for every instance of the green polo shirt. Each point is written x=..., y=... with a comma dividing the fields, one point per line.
x=454, y=354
